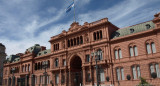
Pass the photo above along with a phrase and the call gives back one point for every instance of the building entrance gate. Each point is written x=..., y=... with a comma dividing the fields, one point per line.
x=76, y=74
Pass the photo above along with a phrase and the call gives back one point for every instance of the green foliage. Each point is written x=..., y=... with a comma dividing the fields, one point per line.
x=143, y=82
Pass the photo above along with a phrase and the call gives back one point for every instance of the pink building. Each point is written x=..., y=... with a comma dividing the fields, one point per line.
x=132, y=51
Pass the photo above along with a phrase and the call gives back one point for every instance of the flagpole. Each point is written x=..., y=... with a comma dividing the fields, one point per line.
x=74, y=12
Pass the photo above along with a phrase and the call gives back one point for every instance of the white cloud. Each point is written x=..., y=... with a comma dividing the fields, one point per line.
x=25, y=28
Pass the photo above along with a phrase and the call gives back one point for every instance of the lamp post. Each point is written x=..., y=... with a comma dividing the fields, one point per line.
x=45, y=65
x=96, y=54
x=13, y=79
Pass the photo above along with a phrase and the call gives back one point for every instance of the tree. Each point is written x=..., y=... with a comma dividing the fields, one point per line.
x=143, y=82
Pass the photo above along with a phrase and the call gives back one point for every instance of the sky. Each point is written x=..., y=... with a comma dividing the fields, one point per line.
x=24, y=23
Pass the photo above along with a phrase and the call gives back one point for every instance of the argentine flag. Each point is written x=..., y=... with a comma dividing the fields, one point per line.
x=70, y=7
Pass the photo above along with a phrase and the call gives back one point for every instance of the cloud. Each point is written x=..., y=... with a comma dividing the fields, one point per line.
x=22, y=19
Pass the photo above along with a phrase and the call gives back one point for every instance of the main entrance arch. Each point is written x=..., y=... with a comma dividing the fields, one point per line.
x=76, y=71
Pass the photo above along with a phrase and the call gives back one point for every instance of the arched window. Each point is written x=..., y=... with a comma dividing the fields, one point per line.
x=100, y=34
x=102, y=76
x=68, y=43
x=25, y=67
x=148, y=26
x=41, y=66
x=35, y=66
x=94, y=35
x=148, y=48
x=81, y=39
x=120, y=73
x=97, y=34
x=120, y=53
x=74, y=41
x=131, y=51
x=154, y=67
x=56, y=62
x=135, y=51
x=100, y=54
x=77, y=40
x=71, y=42
x=28, y=67
x=38, y=65
x=48, y=64
x=151, y=48
x=136, y=72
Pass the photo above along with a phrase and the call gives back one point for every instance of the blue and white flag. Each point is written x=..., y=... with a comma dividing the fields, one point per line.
x=70, y=7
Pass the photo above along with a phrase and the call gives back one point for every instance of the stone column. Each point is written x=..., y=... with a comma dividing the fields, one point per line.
x=84, y=76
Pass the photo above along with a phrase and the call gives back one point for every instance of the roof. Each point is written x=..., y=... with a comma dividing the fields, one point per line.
x=133, y=29
x=44, y=52
x=35, y=49
x=13, y=58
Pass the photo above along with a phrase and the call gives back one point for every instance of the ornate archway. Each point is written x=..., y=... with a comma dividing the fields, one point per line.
x=76, y=71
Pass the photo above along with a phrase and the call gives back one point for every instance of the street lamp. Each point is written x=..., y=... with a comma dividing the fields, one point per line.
x=96, y=54
x=45, y=65
x=13, y=78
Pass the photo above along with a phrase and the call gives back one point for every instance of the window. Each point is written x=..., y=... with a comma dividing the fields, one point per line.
x=29, y=67
x=120, y=73
x=74, y=41
x=136, y=72
x=94, y=35
x=63, y=78
x=35, y=79
x=81, y=40
x=102, y=76
x=68, y=43
x=148, y=26
x=97, y=35
x=77, y=40
x=26, y=68
x=56, y=62
x=57, y=78
x=131, y=30
x=100, y=34
x=87, y=58
x=133, y=51
x=100, y=54
x=151, y=48
x=64, y=62
x=48, y=79
x=88, y=77
x=154, y=67
x=118, y=53
x=23, y=69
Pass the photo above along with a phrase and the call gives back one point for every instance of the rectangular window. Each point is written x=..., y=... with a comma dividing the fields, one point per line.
x=116, y=54
x=87, y=58
x=131, y=51
x=148, y=48
x=134, y=73
x=101, y=55
x=28, y=67
x=57, y=78
x=135, y=51
x=118, y=73
x=153, y=48
x=64, y=62
x=122, y=73
x=120, y=53
x=151, y=68
x=35, y=79
x=157, y=70
x=138, y=71
x=102, y=77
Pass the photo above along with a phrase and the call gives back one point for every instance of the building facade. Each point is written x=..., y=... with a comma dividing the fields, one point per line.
x=2, y=59
x=90, y=53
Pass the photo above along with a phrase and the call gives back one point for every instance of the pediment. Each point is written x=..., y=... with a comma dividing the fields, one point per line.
x=74, y=26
